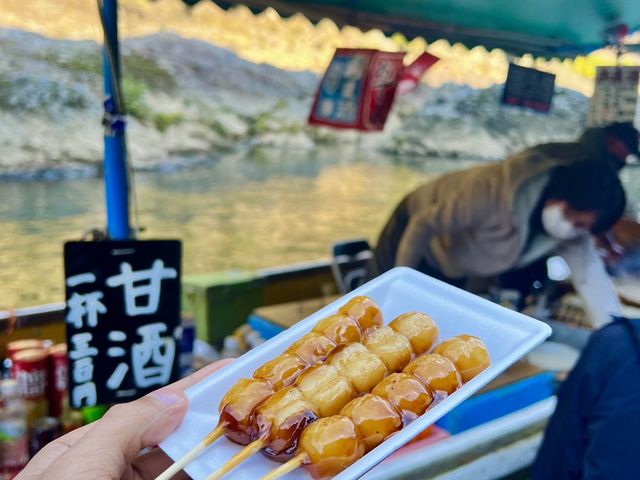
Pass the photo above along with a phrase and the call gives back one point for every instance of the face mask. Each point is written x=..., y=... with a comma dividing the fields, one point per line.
x=556, y=225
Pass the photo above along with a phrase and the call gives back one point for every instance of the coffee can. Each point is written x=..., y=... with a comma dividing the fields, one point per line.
x=30, y=369
x=57, y=378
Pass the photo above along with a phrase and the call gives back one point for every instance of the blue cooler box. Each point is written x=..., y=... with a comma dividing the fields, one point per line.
x=496, y=403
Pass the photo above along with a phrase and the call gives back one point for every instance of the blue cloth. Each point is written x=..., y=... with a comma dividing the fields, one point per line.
x=628, y=266
x=594, y=433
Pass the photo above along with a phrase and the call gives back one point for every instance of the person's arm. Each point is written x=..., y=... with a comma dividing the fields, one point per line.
x=419, y=231
x=591, y=280
x=455, y=213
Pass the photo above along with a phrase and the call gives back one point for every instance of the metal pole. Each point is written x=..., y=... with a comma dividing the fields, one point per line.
x=115, y=151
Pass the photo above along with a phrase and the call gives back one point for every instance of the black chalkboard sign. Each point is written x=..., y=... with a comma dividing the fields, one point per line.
x=528, y=88
x=123, y=318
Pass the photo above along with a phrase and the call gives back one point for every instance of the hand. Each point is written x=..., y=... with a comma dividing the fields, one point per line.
x=610, y=250
x=110, y=448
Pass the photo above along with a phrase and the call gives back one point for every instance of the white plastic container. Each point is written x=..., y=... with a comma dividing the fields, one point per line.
x=508, y=336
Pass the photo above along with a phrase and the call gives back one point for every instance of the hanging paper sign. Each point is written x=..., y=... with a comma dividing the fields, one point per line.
x=528, y=88
x=615, y=98
x=357, y=90
x=411, y=74
x=122, y=318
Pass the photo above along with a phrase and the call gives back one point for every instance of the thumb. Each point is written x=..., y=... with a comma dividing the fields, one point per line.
x=110, y=446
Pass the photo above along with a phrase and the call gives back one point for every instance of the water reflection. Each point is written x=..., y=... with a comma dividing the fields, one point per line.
x=28, y=201
x=242, y=211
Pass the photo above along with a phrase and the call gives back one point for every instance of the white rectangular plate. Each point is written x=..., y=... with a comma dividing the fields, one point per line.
x=508, y=335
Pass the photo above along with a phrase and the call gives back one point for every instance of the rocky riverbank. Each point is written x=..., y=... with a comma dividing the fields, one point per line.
x=189, y=100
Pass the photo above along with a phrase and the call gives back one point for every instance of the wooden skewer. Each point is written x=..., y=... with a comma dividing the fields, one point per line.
x=211, y=437
x=285, y=468
x=237, y=459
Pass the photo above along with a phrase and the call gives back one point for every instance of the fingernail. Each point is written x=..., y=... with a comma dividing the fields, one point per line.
x=167, y=397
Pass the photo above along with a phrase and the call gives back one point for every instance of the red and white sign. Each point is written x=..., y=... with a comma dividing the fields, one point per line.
x=411, y=74
x=359, y=87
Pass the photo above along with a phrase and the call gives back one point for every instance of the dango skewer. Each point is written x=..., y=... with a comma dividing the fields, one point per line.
x=332, y=444
x=322, y=391
x=359, y=315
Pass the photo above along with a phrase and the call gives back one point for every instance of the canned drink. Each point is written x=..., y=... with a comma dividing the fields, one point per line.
x=19, y=345
x=14, y=435
x=57, y=378
x=30, y=370
x=43, y=431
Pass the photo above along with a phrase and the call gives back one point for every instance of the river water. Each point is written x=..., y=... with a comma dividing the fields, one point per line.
x=242, y=211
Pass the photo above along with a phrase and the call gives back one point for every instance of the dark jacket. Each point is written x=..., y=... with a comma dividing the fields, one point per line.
x=594, y=433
